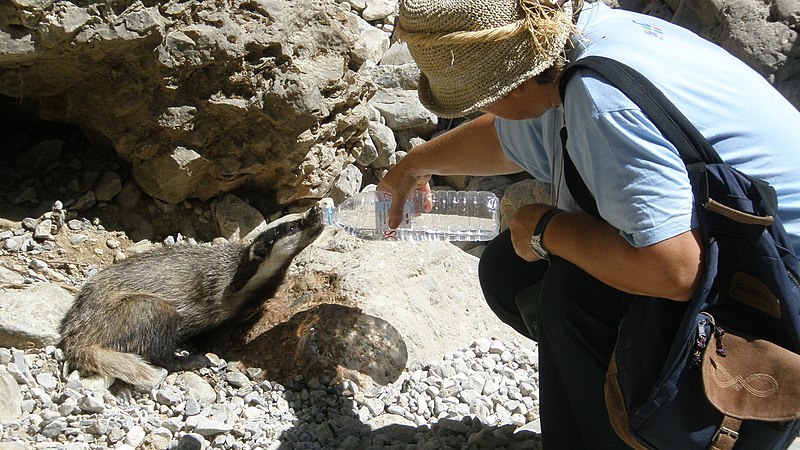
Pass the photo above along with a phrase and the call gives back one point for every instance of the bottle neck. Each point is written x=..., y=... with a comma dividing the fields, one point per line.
x=327, y=211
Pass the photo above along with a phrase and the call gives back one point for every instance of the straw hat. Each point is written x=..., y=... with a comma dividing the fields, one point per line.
x=472, y=53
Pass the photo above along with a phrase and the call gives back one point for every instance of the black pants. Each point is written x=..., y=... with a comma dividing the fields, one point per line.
x=575, y=318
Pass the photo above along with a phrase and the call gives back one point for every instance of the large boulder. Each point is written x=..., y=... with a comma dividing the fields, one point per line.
x=199, y=97
x=367, y=310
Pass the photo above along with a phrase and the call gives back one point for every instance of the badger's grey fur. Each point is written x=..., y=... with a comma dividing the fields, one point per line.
x=137, y=311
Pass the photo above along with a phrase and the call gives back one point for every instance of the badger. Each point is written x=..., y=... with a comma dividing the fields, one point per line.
x=133, y=315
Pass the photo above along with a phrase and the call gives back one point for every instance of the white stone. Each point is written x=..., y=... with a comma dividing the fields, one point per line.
x=10, y=397
x=135, y=436
x=379, y=9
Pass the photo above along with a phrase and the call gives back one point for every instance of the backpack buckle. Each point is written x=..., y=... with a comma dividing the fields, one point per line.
x=726, y=435
x=727, y=432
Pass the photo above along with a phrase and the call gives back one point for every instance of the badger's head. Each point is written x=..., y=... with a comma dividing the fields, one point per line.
x=268, y=256
x=283, y=239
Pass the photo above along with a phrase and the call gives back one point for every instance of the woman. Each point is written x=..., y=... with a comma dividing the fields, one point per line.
x=577, y=272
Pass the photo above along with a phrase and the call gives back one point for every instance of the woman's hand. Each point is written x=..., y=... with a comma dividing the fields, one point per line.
x=401, y=181
x=469, y=149
x=522, y=225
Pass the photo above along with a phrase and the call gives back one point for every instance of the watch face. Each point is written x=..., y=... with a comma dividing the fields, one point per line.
x=538, y=249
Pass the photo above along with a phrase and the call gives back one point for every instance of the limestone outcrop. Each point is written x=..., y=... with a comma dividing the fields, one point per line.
x=199, y=97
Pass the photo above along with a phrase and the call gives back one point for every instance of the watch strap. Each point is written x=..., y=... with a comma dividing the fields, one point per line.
x=542, y=225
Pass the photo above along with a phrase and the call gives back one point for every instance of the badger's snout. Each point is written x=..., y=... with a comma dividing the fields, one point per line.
x=286, y=237
x=313, y=226
x=314, y=217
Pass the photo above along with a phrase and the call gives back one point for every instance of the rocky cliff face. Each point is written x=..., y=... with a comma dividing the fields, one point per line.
x=294, y=99
x=199, y=97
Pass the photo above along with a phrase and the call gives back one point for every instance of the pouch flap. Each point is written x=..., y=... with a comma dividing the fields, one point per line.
x=756, y=380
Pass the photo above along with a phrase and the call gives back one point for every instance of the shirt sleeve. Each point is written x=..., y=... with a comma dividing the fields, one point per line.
x=636, y=176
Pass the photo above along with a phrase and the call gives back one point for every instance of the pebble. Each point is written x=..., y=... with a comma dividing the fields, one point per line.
x=77, y=239
x=169, y=396
x=29, y=223
x=192, y=407
x=91, y=404
x=135, y=436
x=38, y=265
x=42, y=230
x=11, y=244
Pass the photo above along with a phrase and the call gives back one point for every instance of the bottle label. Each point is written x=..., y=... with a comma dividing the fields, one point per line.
x=382, y=205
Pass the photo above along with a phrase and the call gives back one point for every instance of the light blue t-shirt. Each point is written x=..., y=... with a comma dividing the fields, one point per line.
x=636, y=176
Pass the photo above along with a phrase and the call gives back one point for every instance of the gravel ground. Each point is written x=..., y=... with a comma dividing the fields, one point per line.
x=481, y=397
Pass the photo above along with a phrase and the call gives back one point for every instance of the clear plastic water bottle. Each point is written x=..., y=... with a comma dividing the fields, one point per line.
x=455, y=216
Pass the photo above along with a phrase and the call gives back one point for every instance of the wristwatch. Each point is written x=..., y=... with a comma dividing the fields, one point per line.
x=538, y=234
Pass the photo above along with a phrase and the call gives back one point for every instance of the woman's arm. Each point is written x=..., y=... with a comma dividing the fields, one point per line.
x=668, y=269
x=470, y=149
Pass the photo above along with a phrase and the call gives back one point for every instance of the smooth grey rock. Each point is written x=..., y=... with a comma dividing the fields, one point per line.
x=379, y=9
x=235, y=218
x=237, y=379
x=78, y=238
x=385, y=142
x=33, y=315
x=191, y=441
x=109, y=185
x=397, y=54
x=53, y=429
x=209, y=427
x=197, y=387
x=10, y=277
x=91, y=404
x=403, y=110
x=10, y=397
x=12, y=244
x=169, y=396
x=47, y=381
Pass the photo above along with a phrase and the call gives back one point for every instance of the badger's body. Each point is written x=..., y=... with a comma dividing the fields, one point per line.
x=135, y=313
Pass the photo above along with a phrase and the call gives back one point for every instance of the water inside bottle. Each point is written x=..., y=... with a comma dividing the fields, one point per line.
x=455, y=216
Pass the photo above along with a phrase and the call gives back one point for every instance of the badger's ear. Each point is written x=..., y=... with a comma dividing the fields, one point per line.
x=262, y=245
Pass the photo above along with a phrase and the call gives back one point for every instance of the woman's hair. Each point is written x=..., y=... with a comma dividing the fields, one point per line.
x=552, y=73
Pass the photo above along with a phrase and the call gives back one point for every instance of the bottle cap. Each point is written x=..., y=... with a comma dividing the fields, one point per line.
x=326, y=210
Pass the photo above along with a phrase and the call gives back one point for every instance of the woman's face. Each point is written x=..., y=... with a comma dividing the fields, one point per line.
x=527, y=101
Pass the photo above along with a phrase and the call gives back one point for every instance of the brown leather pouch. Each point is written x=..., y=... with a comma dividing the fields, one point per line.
x=755, y=380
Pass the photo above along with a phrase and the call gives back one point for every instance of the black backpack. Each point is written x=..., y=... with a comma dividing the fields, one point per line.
x=732, y=374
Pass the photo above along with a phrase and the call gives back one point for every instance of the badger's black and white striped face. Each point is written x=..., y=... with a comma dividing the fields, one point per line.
x=275, y=247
